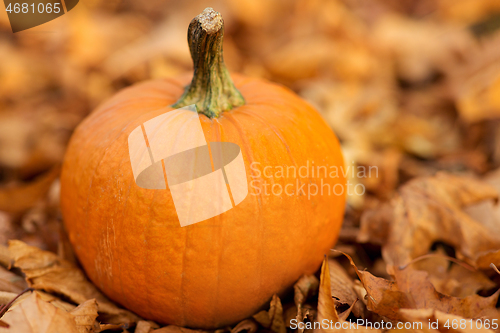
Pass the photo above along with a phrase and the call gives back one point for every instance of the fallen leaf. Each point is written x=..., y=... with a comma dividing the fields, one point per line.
x=429, y=209
x=33, y=315
x=45, y=270
x=85, y=315
x=413, y=290
x=343, y=288
x=452, y=278
x=272, y=319
x=305, y=287
x=326, y=306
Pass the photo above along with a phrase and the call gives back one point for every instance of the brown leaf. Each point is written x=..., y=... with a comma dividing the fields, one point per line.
x=429, y=209
x=413, y=290
x=305, y=287
x=326, y=305
x=85, y=315
x=19, y=198
x=452, y=278
x=422, y=294
x=33, y=315
x=272, y=319
x=55, y=301
x=343, y=288
x=45, y=270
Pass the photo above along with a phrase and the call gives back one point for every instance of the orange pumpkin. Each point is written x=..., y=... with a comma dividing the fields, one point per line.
x=225, y=268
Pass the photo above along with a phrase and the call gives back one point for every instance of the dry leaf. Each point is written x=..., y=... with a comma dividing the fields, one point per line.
x=33, y=315
x=45, y=270
x=326, y=305
x=429, y=209
x=305, y=287
x=343, y=288
x=272, y=319
x=85, y=315
x=457, y=280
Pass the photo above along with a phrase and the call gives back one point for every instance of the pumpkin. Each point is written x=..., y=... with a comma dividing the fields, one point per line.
x=225, y=268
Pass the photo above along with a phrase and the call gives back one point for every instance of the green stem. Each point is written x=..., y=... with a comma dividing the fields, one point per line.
x=212, y=89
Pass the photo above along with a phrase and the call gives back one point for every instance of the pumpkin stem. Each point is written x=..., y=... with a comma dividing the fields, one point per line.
x=212, y=89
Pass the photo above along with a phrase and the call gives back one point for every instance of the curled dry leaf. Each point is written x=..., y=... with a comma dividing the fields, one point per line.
x=33, y=315
x=326, y=306
x=45, y=270
x=272, y=319
x=305, y=287
x=412, y=289
x=429, y=209
x=343, y=288
x=20, y=198
x=85, y=317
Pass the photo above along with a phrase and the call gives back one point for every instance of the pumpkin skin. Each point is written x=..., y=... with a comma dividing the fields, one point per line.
x=221, y=270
